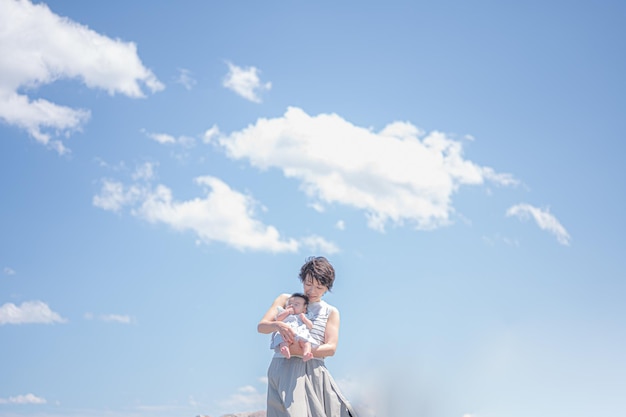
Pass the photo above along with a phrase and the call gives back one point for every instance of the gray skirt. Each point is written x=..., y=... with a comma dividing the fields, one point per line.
x=304, y=389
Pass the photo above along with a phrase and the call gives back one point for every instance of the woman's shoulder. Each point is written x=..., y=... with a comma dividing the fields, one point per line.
x=281, y=299
x=328, y=307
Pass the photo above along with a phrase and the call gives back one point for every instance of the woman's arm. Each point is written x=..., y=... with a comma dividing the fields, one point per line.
x=331, y=336
x=268, y=324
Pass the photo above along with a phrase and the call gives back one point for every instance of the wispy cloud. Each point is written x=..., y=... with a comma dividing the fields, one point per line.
x=543, y=218
x=396, y=175
x=246, y=399
x=145, y=172
x=114, y=318
x=8, y=271
x=29, y=312
x=184, y=77
x=317, y=244
x=40, y=47
x=114, y=195
x=222, y=215
x=245, y=82
x=23, y=399
x=499, y=239
x=117, y=318
x=167, y=139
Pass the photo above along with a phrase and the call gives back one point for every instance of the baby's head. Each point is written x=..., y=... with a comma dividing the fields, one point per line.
x=298, y=302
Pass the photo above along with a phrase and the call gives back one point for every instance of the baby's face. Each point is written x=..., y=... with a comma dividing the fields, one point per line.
x=297, y=304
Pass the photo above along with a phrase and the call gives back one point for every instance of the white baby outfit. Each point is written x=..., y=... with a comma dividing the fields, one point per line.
x=297, y=325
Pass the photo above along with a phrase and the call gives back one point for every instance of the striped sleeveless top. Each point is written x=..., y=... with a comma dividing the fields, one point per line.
x=318, y=313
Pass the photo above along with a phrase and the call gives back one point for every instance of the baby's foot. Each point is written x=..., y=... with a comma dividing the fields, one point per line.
x=285, y=351
x=307, y=356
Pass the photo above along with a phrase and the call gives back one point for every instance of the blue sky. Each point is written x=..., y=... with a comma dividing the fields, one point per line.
x=166, y=167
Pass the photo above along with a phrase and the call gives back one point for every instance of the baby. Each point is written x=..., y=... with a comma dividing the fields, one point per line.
x=294, y=315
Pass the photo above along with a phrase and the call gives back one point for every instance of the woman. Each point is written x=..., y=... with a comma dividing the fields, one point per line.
x=297, y=388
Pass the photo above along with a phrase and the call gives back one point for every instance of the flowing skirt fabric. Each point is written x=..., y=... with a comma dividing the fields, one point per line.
x=304, y=389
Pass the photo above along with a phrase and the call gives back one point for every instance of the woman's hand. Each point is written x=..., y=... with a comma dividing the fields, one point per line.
x=285, y=331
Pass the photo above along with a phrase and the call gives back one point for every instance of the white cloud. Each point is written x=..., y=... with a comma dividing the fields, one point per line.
x=162, y=138
x=544, y=219
x=317, y=244
x=246, y=398
x=184, y=77
x=341, y=225
x=8, y=271
x=245, y=82
x=114, y=195
x=210, y=134
x=28, y=312
x=144, y=172
x=396, y=175
x=115, y=318
x=39, y=47
x=167, y=139
x=23, y=399
x=223, y=215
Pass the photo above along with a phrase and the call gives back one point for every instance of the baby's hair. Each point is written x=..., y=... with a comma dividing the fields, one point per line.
x=300, y=295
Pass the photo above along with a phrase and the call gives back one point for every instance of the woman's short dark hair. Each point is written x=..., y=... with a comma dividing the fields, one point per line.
x=318, y=268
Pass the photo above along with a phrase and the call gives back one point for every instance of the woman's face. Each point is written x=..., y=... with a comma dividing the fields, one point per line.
x=313, y=289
